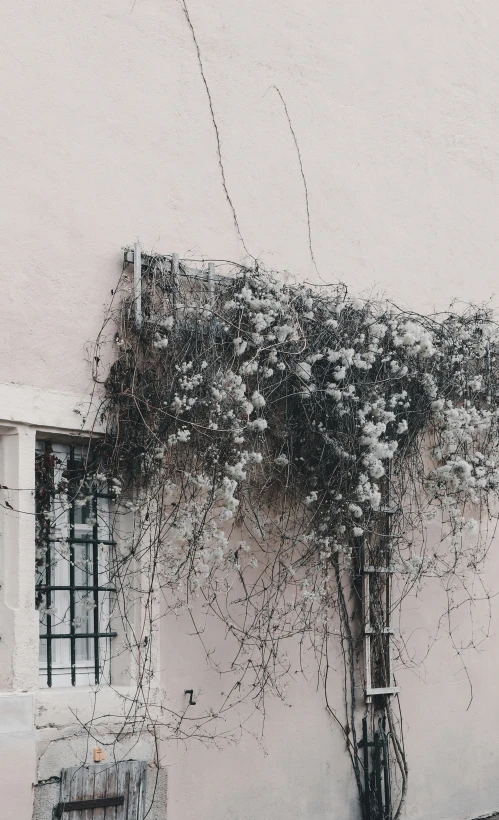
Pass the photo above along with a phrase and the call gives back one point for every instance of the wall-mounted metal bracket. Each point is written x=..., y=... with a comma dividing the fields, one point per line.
x=141, y=260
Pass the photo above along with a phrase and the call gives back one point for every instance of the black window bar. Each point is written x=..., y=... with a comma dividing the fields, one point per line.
x=94, y=589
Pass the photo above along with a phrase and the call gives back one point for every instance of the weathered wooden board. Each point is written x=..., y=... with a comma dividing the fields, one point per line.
x=103, y=781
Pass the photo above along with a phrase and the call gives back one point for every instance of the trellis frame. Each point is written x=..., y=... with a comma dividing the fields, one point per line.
x=383, y=576
x=140, y=260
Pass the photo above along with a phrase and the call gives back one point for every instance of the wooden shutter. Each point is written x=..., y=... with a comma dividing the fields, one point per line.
x=116, y=790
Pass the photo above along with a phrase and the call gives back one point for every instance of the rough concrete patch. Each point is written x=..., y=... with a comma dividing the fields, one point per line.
x=74, y=751
x=156, y=793
x=46, y=797
x=487, y=816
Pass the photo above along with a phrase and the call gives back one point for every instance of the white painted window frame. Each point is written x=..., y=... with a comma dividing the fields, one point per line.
x=25, y=413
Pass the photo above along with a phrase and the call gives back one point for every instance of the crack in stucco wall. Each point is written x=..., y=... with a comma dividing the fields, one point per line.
x=215, y=125
x=305, y=187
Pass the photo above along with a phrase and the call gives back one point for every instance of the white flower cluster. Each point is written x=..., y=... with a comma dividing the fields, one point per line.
x=266, y=394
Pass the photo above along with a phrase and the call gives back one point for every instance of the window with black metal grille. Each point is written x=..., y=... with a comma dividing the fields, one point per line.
x=73, y=590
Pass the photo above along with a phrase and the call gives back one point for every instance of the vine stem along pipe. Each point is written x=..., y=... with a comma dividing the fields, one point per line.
x=137, y=283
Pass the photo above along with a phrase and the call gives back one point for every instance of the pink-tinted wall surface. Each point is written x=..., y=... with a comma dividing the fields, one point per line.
x=107, y=136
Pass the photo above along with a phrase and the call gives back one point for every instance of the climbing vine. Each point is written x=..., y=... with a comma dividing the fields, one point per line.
x=271, y=440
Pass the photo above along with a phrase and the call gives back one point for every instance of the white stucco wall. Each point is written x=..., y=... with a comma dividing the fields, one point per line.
x=107, y=137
